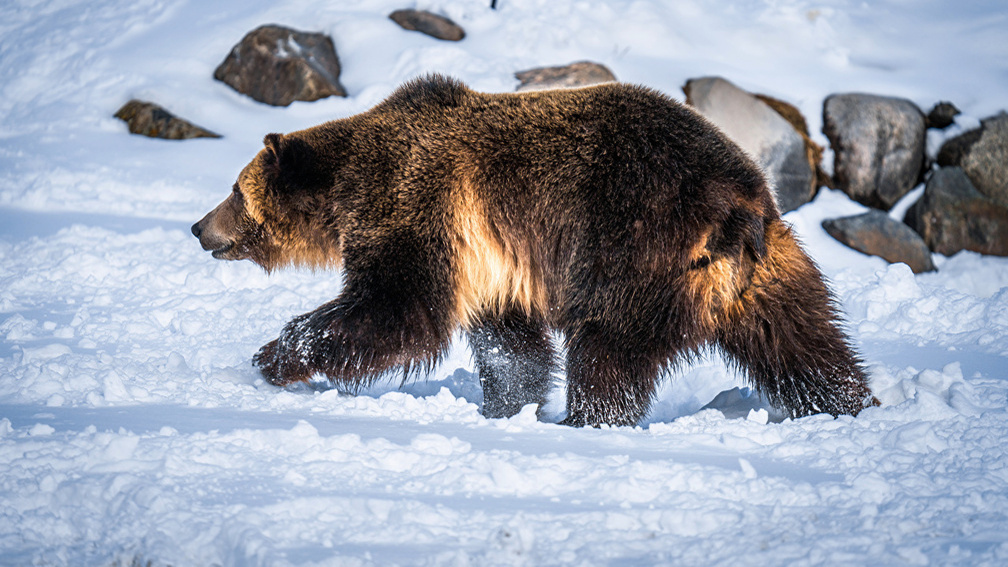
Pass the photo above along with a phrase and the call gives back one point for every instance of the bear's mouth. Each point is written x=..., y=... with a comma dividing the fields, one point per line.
x=220, y=253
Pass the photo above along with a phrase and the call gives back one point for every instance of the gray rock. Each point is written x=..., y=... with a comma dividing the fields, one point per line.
x=942, y=115
x=983, y=155
x=878, y=146
x=813, y=151
x=876, y=234
x=427, y=23
x=149, y=119
x=952, y=216
x=762, y=132
x=278, y=65
x=580, y=74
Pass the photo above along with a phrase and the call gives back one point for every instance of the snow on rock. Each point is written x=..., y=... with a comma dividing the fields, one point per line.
x=134, y=430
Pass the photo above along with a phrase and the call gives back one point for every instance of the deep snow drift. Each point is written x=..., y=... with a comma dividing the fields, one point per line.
x=133, y=427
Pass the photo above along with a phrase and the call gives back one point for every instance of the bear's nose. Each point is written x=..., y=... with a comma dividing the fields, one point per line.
x=196, y=230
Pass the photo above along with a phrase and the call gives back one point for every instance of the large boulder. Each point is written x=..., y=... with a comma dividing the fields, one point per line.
x=952, y=216
x=878, y=146
x=580, y=74
x=983, y=155
x=149, y=119
x=760, y=131
x=813, y=151
x=278, y=65
x=876, y=234
x=425, y=22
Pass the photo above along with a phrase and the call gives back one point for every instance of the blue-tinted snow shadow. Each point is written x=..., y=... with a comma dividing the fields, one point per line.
x=461, y=383
x=19, y=224
x=922, y=357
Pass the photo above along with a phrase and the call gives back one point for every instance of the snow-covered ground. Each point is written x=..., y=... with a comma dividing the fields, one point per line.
x=134, y=430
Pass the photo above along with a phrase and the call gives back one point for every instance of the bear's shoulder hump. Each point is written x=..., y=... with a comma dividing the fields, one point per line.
x=434, y=90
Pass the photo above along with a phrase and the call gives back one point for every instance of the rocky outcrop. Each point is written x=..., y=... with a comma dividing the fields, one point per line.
x=876, y=234
x=149, y=119
x=952, y=216
x=878, y=145
x=580, y=74
x=436, y=26
x=760, y=131
x=983, y=156
x=278, y=65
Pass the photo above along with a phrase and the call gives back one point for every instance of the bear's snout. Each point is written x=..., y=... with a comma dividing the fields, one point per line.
x=211, y=238
x=218, y=231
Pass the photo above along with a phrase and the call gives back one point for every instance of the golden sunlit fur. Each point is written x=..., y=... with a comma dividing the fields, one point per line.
x=491, y=274
x=785, y=260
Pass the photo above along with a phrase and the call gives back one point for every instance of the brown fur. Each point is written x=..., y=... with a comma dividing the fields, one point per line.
x=610, y=214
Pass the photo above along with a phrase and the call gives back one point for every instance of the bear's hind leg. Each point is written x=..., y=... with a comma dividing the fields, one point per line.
x=514, y=359
x=783, y=331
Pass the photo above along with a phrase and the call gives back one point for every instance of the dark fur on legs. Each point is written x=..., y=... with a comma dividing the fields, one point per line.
x=783, y=334
x=514, y=359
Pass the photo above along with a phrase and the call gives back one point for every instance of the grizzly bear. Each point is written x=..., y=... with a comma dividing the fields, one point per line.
x=611, y=214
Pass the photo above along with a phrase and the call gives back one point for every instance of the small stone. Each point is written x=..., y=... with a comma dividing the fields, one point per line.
x=983, y=155
x=875, y=234
x=277, y=65
x=149, y=119
x=436, y=26
x=580, y=74
x=952, y=216
x=942, y=115
x=878, y=146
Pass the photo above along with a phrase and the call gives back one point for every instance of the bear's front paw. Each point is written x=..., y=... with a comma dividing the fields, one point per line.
x=274, y=368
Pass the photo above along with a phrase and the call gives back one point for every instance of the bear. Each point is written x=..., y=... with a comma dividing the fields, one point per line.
x=611, y=215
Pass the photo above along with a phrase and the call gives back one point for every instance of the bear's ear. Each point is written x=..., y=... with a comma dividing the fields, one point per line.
x=274, y=150
x=294, y=166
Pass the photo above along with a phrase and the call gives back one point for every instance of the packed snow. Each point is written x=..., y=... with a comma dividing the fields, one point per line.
x=135, y=431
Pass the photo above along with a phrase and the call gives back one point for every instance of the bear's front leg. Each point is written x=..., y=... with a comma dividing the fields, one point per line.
x=351, y=345
x=394, y=313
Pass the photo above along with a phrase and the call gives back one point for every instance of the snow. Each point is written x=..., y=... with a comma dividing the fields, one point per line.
x=134, y=430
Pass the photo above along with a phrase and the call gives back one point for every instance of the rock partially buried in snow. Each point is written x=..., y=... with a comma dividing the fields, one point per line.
x=427, y=23
x=580, y=74
x=983, y=156
x=875, y=234
x=149, y=119
x=760, y=131
x=878, y=144
x=942, y=115
x=278, y=65
x=952, y=216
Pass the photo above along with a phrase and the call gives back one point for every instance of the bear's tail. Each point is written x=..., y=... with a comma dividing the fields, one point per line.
x=783, y=331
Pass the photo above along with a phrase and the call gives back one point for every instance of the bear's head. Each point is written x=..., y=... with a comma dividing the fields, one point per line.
x=276, y=214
